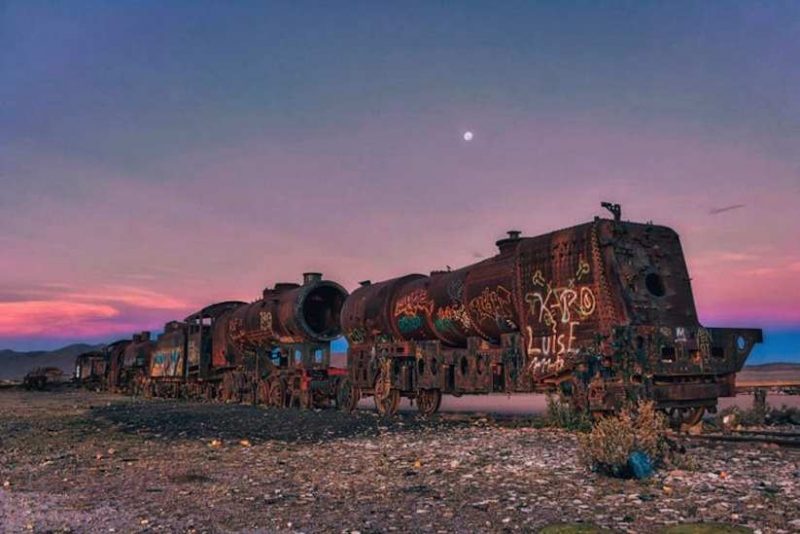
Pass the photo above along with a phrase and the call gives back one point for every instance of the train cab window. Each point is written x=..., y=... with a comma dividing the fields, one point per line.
x=668, y=354
x=298, y=356
x=319, y=356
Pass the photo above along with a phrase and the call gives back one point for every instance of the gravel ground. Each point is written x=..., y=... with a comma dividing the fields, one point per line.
x=76, y=461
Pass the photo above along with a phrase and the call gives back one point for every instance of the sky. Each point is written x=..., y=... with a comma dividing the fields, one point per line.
x=156, y=157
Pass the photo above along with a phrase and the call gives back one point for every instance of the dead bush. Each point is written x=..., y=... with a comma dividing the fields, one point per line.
x=733, y=417
x=611, y=445
x=563, y=415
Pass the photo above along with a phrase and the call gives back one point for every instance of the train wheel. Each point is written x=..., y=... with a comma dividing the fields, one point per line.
x=428, y=401
x=387, y=398
x=262, y=392
x=387, y=406
x=347, y=395
x=306, y=399
x=277, y=393
x=680, y=418
x=226, y=391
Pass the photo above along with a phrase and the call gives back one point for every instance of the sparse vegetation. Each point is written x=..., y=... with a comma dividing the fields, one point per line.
x=562, y=415
x=734, y=416
x=609, y=447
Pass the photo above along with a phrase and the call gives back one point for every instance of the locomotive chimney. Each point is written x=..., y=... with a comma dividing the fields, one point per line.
x=310, y=278
x=513, y=237
x=364, y=283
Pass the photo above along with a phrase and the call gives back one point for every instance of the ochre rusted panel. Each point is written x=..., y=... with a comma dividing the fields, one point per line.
x=169, y=354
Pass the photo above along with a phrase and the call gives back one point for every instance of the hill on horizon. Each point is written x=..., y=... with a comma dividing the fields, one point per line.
x=15, y=365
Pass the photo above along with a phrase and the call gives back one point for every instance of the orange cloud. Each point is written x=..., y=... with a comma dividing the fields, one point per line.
x=132, y=296
x=34, y=317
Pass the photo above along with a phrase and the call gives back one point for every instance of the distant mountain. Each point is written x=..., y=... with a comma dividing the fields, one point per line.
x=15, y=365
x=773, y=366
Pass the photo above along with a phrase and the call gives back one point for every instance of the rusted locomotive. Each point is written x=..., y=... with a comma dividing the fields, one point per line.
x=275, y=350
x=41, y=378
x=115, y=361
x=601, y=312
x=129, y=363
x=90, y=369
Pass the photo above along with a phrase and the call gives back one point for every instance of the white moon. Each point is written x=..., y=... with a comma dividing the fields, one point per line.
x=468, y=136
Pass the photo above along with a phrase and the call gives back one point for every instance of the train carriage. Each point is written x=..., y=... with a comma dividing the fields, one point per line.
x=91, y=368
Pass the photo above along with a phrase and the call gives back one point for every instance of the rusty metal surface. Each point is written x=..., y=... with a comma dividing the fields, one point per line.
x=287, y=313
x=115, y=353
x=91, y=366
x=138, y=351
x=169, y=353
x=201, y=326
x=598, y=311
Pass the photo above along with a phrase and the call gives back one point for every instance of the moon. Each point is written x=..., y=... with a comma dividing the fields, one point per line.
x=468, y=136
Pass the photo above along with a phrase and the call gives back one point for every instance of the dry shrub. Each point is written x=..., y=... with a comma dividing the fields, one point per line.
x=734, y=416
x=562, y=415
x=608, y=447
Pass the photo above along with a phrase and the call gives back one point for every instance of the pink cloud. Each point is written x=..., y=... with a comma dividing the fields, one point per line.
x=38, y=317
x=132, y=296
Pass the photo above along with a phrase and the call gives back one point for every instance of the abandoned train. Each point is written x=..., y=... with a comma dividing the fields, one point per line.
x=602, y=312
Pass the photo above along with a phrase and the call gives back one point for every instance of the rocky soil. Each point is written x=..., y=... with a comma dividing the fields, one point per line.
x=77, y=461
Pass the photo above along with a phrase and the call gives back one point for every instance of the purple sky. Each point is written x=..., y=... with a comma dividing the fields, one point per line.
x=157, y=158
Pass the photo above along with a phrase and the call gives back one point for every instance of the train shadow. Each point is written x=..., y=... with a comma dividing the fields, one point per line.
x=169, y=419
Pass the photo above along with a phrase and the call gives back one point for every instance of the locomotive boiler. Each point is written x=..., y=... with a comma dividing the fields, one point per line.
x=277, y=349
x=601, y=312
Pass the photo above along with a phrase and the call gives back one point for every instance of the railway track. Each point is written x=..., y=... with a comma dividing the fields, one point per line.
x=783, y=439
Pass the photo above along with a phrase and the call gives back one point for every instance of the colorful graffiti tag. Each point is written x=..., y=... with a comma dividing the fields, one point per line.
x=409, y=323
x=411, y=310
x=265, y=323
x=492, y=304
x=452, y=317
x=168, y=362
x=415, y=303
x=559, y=309
x=357, y=335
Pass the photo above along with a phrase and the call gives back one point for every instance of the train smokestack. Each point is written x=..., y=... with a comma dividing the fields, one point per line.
x=513, y=237
x=310, y=278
